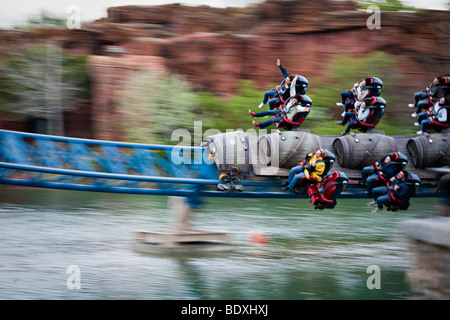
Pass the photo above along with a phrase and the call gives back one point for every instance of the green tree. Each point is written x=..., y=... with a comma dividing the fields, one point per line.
x=43, y=82
x=154, y=104
x=384, y=5
x=46, y=19
x=43, y=19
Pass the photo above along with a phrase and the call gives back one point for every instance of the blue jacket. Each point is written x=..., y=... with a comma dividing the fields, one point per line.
x=284, y=71
x=402, y=191
x=283, y=91
x=388, y=170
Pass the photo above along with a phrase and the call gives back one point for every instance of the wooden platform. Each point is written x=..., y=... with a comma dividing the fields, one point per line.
x=180, y=237
x=178, y=241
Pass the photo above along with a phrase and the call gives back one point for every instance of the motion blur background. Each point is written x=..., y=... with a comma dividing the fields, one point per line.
x=131, y=72
x=117, y=71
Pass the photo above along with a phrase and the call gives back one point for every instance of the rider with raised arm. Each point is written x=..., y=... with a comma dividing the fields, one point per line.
x=296, y=105
x=282, y=90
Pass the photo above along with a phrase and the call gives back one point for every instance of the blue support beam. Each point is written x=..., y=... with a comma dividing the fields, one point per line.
x=44, y=161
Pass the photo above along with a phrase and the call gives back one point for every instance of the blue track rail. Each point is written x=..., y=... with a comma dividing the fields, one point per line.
x=44, y=161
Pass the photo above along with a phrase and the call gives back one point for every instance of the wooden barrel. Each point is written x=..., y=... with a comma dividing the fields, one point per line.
x=286, y=149
x=430, y=152
x=360, y=150
x=231, y=150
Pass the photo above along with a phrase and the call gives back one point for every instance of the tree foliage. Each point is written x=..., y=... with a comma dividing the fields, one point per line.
x=42, y=82
x=46, y=19
x=385, y=5
x=154, y=104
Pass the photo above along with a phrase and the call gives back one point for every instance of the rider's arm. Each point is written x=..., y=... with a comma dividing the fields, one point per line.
x=400, y=192
x=293, y=92
x=283, y=71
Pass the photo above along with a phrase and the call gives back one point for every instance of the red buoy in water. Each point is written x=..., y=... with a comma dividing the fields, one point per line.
x=258, y=237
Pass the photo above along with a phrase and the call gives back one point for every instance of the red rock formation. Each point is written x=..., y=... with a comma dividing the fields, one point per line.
x=206, y=43
x=108, y=77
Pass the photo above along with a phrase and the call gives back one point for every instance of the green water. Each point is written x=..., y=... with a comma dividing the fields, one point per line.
x=311, y=254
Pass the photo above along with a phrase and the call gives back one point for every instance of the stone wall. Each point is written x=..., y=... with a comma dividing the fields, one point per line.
x=429, y=243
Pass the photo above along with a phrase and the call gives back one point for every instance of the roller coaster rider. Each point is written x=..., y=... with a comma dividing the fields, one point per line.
x=360, y=91
x=420, y=101
x=282, y=90
x=311, y=168
x=437, y=113
x=387, y=169
x=295, y=106
x=397, y=187
x=440, y=87
x=360, y=113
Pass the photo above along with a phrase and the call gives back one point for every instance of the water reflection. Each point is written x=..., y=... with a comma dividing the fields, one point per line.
x=309, y=255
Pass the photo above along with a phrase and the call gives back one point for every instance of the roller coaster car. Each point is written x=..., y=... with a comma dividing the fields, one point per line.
x=437, y=125
x=375, y=87
x=373, y=84
x=300, y=85
x=300, y=88
x=398, y=160
x=376, y=106
x=413, y=182
x=303, y=184
x=231, y=154
x=324, y=194
x=298, y=118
